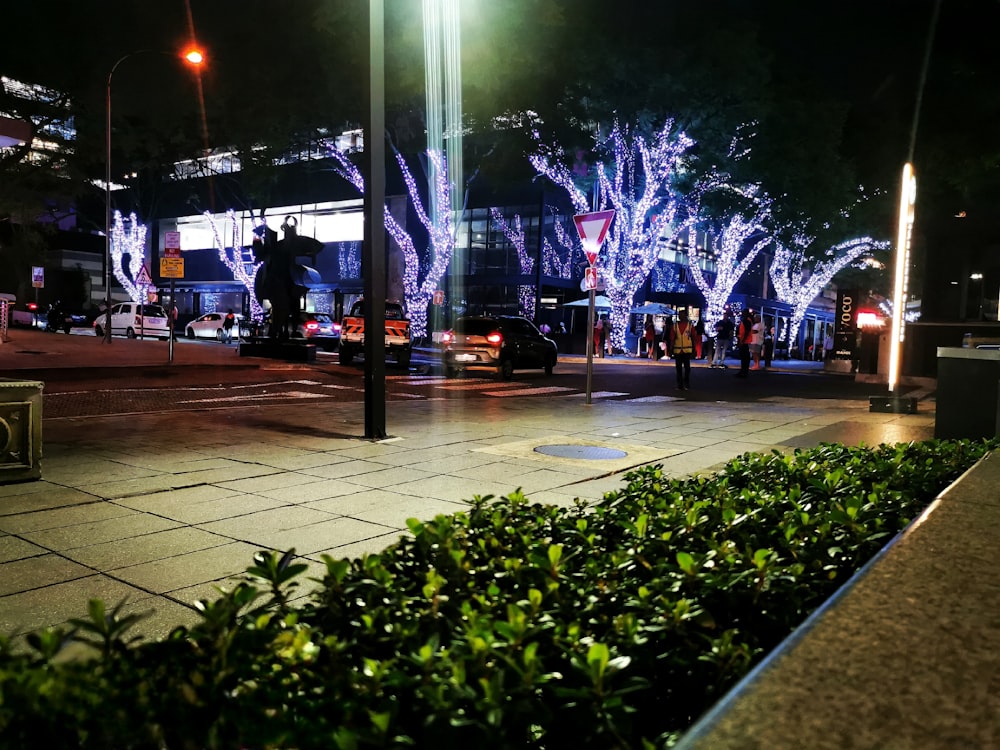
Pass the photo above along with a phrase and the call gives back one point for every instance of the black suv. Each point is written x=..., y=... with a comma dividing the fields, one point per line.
x=502, y=343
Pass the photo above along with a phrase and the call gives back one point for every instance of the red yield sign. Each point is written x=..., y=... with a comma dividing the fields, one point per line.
x=593, y=228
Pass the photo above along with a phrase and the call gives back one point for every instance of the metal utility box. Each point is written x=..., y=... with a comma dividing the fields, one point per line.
x=968, y=393
x=20, y=430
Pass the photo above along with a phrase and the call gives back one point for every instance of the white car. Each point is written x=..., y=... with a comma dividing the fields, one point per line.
x=209, y=326
x=136, y=320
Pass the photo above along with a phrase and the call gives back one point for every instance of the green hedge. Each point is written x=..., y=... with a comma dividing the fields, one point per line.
x=512, y=624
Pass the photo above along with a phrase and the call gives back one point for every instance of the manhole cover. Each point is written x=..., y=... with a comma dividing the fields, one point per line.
x=588, y=452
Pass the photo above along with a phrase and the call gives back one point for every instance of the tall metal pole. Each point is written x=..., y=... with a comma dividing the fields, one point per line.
x=590, y=341
x=195, y=58
x=373, y=258
x=107, y=209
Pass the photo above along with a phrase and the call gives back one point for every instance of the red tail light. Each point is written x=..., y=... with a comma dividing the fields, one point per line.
x=32, y=306
x=495, y=338
x=336, y=326
x=447, y=337
x=312, y=325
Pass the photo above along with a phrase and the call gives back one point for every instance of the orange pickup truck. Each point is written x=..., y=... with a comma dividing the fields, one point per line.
x=397, y=333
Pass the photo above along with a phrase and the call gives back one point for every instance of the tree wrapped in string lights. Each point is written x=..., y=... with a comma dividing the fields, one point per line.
x=441, y=234
x=735, y=247
x=799, y=275
x=514, y=233
x=555, y=261
x=637, y=178
x=349, y=260
x=239, y=259
x=128, y=237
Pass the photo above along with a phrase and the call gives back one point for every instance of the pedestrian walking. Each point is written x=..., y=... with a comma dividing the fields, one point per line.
x=756, y=341
x=744, y=334
x=649, y=336
x=682, y=348
x=827, y=346
x=768, y=346
x=227, y=327
x=723, y=337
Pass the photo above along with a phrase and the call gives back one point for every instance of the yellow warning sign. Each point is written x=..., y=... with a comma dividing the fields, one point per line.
x=171, y=268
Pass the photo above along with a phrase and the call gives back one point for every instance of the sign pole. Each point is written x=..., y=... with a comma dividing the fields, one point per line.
x=590, y=342
x=172, y=312
x=592, y=228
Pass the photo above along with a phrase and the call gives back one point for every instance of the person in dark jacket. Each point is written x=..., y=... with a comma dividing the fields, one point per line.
x=744, y=335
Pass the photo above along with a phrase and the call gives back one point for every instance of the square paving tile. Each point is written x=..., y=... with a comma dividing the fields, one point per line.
x=189, y=569
x=386, y=507
x=71, y=516
x=277, y=480
x=54, y=605
x=13, y=548
x=304, y=493
x=155, y=502
x=42, y=496
x=142, y=549
x=38, y=572
x=355, y=550
x=390, y=477
x=121, y=529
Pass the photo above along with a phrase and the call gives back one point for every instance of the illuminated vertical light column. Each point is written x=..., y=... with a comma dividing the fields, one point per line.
x=904, y=236
x=453, y=98
x=443, y=80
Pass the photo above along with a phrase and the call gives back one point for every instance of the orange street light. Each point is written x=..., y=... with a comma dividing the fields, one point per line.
x=194, y=56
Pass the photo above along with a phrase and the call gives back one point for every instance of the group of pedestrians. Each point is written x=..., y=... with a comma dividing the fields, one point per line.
x=684, y=341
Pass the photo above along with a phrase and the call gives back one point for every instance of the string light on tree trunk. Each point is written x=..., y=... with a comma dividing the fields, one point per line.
x=798, y=281
x=515, y=235
x=128, y=237
x=441, y=234
x=241, y=261
x=637, y=179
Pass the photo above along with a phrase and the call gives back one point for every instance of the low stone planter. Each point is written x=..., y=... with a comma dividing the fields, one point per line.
x=20, y=430
x=904, y=656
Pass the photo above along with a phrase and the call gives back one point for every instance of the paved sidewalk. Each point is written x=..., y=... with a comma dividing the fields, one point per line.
x=158, y=509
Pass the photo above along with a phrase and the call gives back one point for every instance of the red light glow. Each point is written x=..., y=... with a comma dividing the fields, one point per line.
x=495, y=338
x=868, y=319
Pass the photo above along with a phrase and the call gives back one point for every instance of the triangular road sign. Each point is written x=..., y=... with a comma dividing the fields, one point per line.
x=593, y=228
x=143, y=279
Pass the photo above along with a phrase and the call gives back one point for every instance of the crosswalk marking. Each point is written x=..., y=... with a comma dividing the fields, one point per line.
x=652, y=399
x=528, y=391
x=285, y=395
x=479, y=386
x=601, y=394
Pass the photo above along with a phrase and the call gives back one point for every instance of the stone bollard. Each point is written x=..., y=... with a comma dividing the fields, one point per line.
x=20, y=430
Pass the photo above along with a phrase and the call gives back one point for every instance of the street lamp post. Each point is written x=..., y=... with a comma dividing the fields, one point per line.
x=193, y=57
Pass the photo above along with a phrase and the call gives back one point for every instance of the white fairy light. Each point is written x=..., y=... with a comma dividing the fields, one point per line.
x=129, y=240
x=241, y=261
x=637, y=181
x=514, y=233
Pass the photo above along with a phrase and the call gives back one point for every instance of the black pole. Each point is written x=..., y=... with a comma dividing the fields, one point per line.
x=373, y=257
